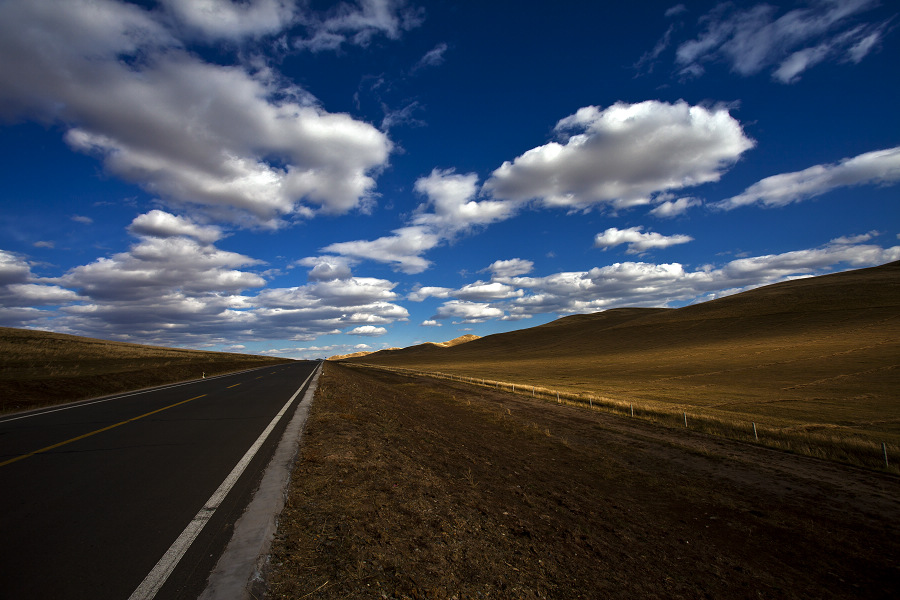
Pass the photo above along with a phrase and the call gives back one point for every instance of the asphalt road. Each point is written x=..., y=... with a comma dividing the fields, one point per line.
x=93, y=495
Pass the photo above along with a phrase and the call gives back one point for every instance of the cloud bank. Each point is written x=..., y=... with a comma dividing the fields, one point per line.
x=233, y=140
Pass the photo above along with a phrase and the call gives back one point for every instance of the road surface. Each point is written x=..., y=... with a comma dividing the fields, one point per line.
x=93, y=495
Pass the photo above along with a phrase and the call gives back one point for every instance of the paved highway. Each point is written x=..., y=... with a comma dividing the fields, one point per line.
x=93, y=495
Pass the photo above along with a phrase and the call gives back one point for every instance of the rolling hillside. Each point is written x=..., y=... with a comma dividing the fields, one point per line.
x=815, y=352
x=40, y=368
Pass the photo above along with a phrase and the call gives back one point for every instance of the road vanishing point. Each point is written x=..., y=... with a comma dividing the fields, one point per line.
x=136, y=495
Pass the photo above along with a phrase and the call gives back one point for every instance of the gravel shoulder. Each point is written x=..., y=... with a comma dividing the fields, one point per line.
x=418, y=488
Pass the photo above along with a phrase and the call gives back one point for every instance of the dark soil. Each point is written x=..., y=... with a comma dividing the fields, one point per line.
x=417, y=488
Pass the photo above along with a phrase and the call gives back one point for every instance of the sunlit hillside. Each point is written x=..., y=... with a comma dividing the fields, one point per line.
x=814, y=353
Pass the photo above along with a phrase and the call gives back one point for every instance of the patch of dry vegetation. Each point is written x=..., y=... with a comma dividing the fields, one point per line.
x=817, y=357
x=413, y=488
x=39, y=368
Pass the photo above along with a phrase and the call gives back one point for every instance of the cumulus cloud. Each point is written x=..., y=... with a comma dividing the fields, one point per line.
x=881, y=167
x=511, y=267
x=757, y=38
x=624, y=154
x=176, y=289
x=326, y=268
x=420, y=293
x=673, y=208
x=491, y=290
x=156, y=267
x=431, y=323
x=368, y=331
x=22, y=293
x=403, y=249
x=161, y=224
x=468, y=312
x=225, y=19
x=240, y=143
x=451, y=205
x=637, y=240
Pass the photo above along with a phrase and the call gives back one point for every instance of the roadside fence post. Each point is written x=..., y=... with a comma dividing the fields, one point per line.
x=755, y=437
x=685, y=418
x=632, y=410
x=557, y=397
x=884, y=451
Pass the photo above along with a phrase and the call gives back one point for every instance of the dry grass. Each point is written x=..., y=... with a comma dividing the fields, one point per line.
x=830, y=442
x=414, y=488
x=815, y=363
x=40, y=368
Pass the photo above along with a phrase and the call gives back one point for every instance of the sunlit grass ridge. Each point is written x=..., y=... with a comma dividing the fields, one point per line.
x=815, y=359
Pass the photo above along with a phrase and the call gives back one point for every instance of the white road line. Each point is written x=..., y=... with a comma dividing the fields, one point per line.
x=151, y=585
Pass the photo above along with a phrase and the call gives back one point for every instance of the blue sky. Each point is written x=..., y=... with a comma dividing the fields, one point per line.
x=306, y=179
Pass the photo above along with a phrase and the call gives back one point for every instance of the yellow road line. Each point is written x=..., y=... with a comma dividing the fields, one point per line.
x=231, y=386
x=86, y=435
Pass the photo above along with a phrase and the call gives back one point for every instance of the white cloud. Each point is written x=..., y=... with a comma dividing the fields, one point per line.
x=152, y=299
x=453, y=207
x=623, y=154
x=469, y=312
x=326, y=268
x=637, y=240
x=511, y=267
x=241, y=144
x=432, y=58
x=82, y=219
x=648, y=284
x=21, y=292
x=670, y=208
x=13, y=268
x=226, y=19
x=878, y=167
x=156, y=267
x=357, y=23
x=855, y=239
x=431, y=323
x=420, y=293
x=368, y=331
x=403, y=249
x=158, y=223
x=493, y=290
x=756, y=38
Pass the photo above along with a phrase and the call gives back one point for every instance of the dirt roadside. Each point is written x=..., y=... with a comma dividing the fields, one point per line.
x=416, y=488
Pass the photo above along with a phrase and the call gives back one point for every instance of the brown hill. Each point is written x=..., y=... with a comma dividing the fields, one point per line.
x=790, y=352
x=39, y=368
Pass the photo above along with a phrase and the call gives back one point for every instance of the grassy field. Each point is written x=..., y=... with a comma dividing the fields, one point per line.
x=415, y=488
x=811, y=359
x=40, y=368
